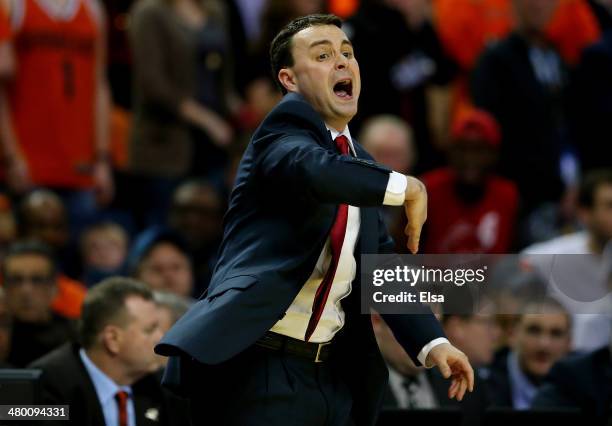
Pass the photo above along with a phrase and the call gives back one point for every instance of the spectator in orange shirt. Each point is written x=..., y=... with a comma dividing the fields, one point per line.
x=54, y=129
x=466, y=27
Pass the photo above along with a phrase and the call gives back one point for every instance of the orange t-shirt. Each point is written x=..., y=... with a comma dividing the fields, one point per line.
x=52, y=94
x=573, y=28
x=467, y=26
x=69, y=299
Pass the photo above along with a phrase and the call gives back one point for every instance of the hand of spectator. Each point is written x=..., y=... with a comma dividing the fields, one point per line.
x=452, y=363
x=208, y=121
x=18, y=175
x=219, y=130
x=103, y=182
x=415, y=205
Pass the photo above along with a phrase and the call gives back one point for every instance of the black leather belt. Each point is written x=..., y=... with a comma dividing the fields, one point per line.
x=315, y=352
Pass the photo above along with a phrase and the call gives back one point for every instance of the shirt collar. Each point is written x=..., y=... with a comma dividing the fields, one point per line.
x=523, y=390
x=334, y=134
x=105, y=387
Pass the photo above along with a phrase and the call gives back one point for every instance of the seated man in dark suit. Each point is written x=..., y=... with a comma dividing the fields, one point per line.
x=583, y=381
x=538, y=341
x=30, y=282
x=108, y=380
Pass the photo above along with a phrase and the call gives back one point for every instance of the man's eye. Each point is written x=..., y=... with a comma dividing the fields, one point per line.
x=323, y=56
x=348, y=54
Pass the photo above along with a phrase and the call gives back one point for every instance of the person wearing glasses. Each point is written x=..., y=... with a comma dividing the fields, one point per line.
x=30, y=284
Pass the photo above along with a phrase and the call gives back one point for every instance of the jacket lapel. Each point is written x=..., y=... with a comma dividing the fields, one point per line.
x=147, y=413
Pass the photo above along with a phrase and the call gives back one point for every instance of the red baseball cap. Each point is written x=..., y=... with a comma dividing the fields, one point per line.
x=476, y=123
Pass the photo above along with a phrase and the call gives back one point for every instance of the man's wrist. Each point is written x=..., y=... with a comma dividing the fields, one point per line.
x=426, y=350
x=414, y=188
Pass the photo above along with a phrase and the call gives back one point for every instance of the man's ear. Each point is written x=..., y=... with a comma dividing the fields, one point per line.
x=112, y=338
x=287, y=79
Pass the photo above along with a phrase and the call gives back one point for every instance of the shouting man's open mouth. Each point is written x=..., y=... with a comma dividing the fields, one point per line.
x=344, y=89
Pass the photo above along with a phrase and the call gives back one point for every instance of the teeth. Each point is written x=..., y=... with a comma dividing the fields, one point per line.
x=343, y=88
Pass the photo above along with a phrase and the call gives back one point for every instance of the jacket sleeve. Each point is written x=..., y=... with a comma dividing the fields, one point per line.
x=386, y=245
x=413, y=331
x=298, y=163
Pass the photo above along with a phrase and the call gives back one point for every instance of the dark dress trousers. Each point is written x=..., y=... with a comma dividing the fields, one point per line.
x=287, y=191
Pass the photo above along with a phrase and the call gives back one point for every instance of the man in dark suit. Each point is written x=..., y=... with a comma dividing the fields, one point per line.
x=521, y=80
x=279, y=339
x=591, y=103
x=538, y=341
x=582, y=381
x=109, y=380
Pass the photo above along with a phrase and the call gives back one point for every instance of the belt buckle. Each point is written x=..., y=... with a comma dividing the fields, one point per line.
x=321, y=345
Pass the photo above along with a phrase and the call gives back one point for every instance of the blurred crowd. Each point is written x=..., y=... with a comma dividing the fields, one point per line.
x=122, y=124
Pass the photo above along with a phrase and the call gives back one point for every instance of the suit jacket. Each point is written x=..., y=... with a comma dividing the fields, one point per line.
x=287, y=191
x=66, y=381
x=591, y=104
x=498, y=382
x=583, y=381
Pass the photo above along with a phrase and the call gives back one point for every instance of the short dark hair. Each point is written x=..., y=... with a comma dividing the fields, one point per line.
x=590, y=184
x=105, y=304
x=280, y=48
x=30, y=247
x=148, y=240
x=543, y=306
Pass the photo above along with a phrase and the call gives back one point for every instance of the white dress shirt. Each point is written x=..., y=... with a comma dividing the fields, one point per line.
x=295, y=321
x=591, y=320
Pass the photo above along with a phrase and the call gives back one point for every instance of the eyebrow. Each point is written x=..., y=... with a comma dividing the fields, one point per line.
x=320, y=42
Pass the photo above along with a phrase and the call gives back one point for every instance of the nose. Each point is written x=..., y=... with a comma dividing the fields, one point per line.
x=341, y=62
